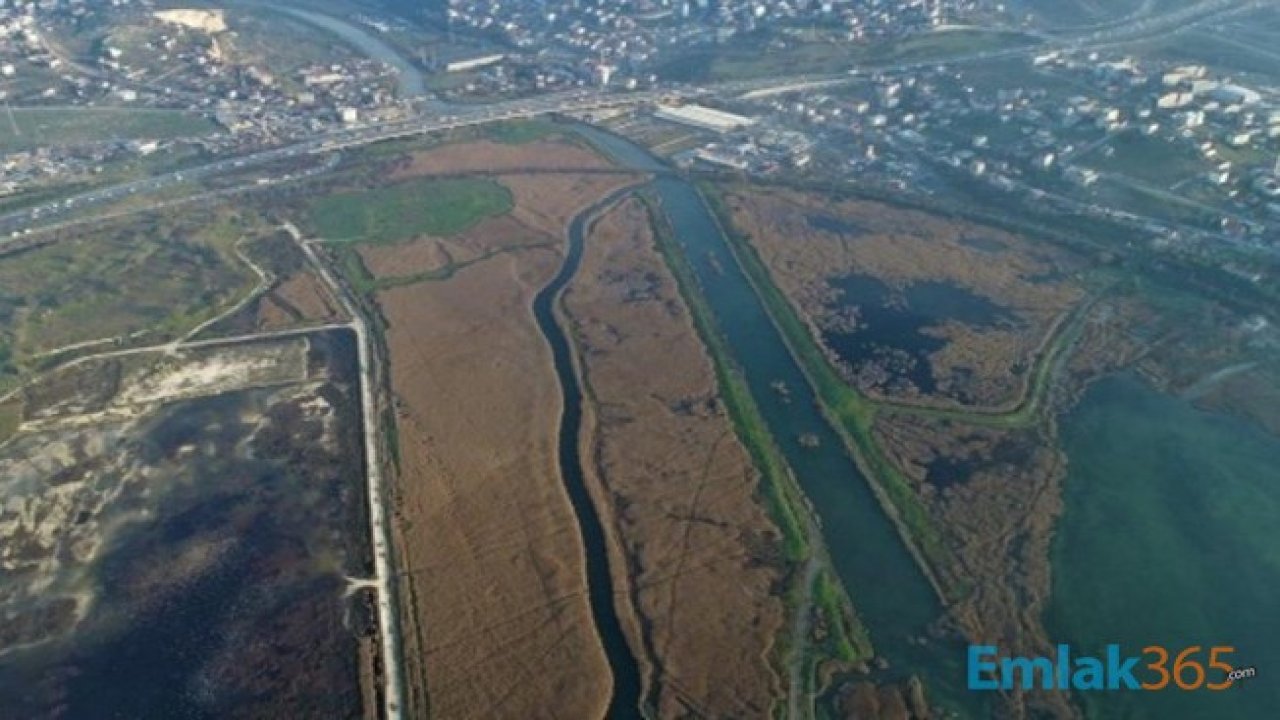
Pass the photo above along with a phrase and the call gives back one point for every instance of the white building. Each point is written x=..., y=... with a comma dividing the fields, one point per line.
x=703, y=117
x=1174, y=100
x=474, y=63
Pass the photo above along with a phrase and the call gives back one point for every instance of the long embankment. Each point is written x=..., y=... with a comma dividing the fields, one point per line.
x=376, y=491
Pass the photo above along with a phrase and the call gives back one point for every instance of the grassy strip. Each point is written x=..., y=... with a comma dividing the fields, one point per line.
x=853, y=414
x=352, y=267
x=846, y=637
x=520, y=132
x=1029, y=410
x=391, y=433
x=10, y=419
x=361, y=279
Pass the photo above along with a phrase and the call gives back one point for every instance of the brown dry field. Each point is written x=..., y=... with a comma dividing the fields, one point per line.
x=901, y=247
x=485, y=156
x=300, y=298
x=498, y=623
x=496, y=617
x=428, y=254
x=679, y=490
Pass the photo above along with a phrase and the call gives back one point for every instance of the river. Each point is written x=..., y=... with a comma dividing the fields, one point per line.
x=891, y=595
x=409, y=77
x=625, y=701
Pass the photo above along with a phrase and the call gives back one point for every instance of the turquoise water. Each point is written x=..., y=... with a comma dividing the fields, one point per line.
x=1169, y=538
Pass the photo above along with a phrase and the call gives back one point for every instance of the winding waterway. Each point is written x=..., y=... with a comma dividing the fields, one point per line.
x=408, y=76
x=625, y=701
x=892, y=596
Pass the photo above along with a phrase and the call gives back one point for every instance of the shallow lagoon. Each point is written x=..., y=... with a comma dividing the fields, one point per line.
x=1168, y=538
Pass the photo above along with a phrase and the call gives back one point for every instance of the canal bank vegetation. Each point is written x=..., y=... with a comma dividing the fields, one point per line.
x=814, y=596
x=845, y=636
x=780, y=491
x=852, y=413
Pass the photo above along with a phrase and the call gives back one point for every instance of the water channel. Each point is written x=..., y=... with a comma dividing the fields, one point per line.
x=625, y=701
x=408, y=76
x=887, y=587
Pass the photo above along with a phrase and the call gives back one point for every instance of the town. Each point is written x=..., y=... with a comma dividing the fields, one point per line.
x=1182, y=152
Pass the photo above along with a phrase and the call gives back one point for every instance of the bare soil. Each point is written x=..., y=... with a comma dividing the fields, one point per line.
x=680, y=491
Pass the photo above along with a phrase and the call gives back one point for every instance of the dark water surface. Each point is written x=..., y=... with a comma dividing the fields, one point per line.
x=625, y=702
x=894, y=323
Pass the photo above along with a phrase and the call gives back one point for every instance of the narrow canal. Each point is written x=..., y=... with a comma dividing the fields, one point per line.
x=891, y=595
x=625, y=702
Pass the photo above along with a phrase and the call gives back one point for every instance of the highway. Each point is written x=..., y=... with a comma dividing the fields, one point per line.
x=13, y=224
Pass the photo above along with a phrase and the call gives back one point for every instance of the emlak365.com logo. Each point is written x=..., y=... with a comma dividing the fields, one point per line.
x=1156, y=668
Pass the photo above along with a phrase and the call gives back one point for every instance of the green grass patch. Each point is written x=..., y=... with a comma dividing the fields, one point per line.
x=416, y=207
x=32, y=127
x=744, y=61
x=1150, y=159
x=846, y=637
x=147, y=279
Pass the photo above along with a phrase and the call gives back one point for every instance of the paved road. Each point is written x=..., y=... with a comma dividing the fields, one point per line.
x=13, y=224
